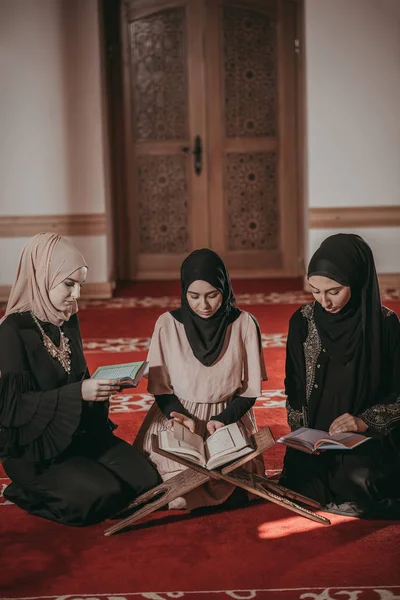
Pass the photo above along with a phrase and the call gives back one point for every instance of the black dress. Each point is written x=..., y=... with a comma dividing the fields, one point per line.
x=364, y=481
x=59, y=451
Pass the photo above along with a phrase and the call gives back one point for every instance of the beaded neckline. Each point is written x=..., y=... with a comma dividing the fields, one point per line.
x=62, y=353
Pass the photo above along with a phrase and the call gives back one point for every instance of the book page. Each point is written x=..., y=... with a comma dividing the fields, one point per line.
x=305, y=436
x=167, y=441
x=187, y=439
x=347, y=439
x=224, y=441
x=321, y=440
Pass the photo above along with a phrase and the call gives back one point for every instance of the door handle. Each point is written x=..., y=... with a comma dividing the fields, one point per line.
x=197, y=153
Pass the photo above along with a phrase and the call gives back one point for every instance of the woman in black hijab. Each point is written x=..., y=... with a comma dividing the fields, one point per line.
x=342, y=375
x=206, y=332
x=206, y=367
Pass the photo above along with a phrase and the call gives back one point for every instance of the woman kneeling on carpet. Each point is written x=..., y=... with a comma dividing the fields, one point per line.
x=64, y=462
x=206, y=368
x=343, y=375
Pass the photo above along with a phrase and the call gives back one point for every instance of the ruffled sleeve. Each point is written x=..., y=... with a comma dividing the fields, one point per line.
x=37, y=425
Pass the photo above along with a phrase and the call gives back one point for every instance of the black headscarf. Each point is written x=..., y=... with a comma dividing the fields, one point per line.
x=206, y=336
x=352, y=336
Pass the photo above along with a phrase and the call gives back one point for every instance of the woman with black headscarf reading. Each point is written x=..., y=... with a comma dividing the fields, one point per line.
x=343, y=375
x=206, y=368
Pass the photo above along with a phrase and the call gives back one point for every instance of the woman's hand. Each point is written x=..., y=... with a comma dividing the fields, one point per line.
x=212, y=426
x=98, y=390
x=347, y=422
x=183, y=419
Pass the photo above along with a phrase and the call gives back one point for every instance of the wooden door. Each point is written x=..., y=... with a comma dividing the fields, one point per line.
x=223, y=70
x=252, y=135
x=165, y=110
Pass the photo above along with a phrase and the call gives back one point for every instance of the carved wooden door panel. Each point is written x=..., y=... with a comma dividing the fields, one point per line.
x=252, y=135
x=222, y=70
x=165, y=110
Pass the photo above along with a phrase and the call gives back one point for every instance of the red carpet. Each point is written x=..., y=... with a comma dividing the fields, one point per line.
x=260, y=552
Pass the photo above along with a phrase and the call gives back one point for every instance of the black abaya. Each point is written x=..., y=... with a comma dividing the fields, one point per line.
x=59, y=451
x=364, y=481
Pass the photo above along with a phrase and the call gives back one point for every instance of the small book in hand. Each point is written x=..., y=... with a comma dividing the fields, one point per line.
x=314, y=440
x=225, y=445
x=127, y=375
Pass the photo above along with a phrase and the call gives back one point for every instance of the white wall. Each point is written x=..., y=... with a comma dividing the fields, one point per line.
x=385, y=244
x=52, y=134
x=353, y=112
x=52, y=130
x=93, y=248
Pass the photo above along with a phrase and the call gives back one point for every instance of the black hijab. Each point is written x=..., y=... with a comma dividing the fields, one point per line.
x=206, y=336
x=352, y=336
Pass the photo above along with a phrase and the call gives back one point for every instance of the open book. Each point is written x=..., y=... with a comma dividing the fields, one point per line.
x=225, y=445
x=126, y=375
x=314, y=440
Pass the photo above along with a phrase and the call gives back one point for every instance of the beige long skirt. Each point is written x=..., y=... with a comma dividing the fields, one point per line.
x=213, y=492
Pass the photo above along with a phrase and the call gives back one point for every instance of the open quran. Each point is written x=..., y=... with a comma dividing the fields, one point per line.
x=225, y=445
x=314, y=440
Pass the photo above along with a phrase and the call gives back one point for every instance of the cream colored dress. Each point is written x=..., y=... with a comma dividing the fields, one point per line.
x=203, y=391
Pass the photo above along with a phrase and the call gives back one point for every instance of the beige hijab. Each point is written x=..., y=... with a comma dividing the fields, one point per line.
x=46, y=261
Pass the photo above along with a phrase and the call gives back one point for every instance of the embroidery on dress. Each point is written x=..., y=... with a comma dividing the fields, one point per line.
x=312, y=347
x=382, y=417
x=294, y=417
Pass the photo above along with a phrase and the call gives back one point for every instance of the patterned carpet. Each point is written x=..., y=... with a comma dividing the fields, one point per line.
x=261, y=551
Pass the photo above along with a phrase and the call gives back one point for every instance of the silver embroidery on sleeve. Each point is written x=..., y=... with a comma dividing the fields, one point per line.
x=312, y=347
x=294, y=417
x=382, y=417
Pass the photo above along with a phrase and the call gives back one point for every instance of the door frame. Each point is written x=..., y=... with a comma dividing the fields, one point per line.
x=119, y=148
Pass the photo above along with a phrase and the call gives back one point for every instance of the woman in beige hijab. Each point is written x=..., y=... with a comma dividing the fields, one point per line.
x=56, y=441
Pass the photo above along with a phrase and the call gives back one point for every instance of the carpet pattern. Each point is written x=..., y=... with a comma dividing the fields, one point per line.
x=261, y=551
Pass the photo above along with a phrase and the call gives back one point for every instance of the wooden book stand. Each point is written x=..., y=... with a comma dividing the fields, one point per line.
x=195, y=475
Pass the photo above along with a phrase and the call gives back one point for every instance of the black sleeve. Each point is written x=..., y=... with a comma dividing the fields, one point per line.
x=169, y=403
x=35, y=424
x=391, y=354
x=383, y=416
x=235, y=410
x=295, y=370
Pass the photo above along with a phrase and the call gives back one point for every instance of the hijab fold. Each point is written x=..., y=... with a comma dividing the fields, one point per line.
x=206, y=336
x=46, y=261
x=352, y=336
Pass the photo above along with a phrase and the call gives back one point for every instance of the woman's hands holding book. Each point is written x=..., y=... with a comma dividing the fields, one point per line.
x=98, y=390
x=212, y=426
x=347, y=422
x=183, y=419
